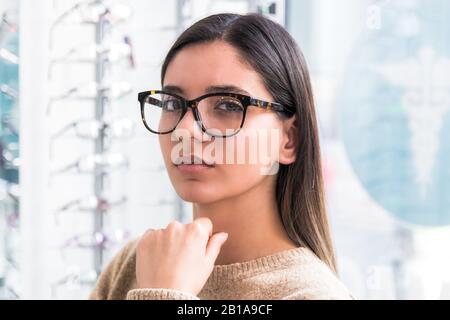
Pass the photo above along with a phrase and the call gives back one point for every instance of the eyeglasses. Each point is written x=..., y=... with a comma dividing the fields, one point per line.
x=220, y=114
x=74, y=279
x=90, y=91
x=91, y=12
x=86, y=52
x=97, y=239
x=90, y=204
x=91, y=128
x=9, y=157
x=8, y=91
x=96, y=163
x=9, y=125
x=8, y=56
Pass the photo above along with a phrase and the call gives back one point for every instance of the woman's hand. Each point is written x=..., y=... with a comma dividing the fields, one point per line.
x=178, y=257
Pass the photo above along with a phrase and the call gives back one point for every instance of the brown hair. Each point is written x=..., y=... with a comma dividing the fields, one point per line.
x=274, y=54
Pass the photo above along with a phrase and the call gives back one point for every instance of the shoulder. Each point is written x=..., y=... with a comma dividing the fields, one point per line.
x=119, y=274
x=315, y=280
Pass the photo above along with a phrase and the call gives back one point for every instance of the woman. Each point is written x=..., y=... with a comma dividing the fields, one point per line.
x=260, y=230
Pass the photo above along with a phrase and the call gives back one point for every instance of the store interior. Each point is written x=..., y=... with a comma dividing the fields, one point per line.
x=80, y=176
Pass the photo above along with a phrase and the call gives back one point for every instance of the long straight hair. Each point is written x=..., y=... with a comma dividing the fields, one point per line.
x=274, y=54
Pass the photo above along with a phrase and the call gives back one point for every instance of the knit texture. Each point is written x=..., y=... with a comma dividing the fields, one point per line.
x=290, y=274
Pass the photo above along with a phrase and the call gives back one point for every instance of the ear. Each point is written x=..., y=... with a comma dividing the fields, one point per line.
x=289, y=141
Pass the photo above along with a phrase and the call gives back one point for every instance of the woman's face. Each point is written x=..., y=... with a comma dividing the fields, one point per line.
x=193, y=70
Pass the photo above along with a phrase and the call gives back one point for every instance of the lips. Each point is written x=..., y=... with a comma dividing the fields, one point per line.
x=194, y=160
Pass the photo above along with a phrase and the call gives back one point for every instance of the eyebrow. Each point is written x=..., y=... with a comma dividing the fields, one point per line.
x=210, y=89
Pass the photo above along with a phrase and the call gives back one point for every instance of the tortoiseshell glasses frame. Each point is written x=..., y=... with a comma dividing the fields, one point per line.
x=245, y=102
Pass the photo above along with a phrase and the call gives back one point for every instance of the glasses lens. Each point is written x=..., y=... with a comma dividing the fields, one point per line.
x=221, y=115
x=162, y=112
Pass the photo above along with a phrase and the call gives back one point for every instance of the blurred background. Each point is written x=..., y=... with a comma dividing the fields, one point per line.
x=80, y=176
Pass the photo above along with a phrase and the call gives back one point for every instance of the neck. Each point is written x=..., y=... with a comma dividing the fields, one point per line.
x=252, y=222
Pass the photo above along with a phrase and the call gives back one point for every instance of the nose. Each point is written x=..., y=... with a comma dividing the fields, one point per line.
x=189, y=127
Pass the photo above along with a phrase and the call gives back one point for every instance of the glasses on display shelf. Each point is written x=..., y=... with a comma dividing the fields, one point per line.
x=8, y=91
x=12, y=220
x=90, y=204
x=95, y=240
x=9, y=159
x=9, y=209
x=6, y=23
x=91, y=128
x=92, y=12
x=104, y=54
x=220, y=114
x=7, y=26
x=8, y=56
x=11, y=250
x=91, y=91
x=8, y=126
x=131, y=60
x=96, y=163
x=11, y=261
x=87, y=53
x=10, y=289
x=74, y=279
x=9, y=191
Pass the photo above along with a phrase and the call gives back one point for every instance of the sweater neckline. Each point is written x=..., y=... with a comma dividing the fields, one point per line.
x=244, y=269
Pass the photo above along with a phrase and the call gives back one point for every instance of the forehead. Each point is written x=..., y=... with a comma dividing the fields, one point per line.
x=198, y=66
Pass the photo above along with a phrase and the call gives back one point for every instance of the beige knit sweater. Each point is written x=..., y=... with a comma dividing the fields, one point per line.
x=290, y=274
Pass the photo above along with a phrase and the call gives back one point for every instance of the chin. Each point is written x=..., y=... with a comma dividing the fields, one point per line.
x=195, y=191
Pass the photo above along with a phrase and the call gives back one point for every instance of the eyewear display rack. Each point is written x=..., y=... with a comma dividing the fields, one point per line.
x=102, y=17
x=9, y=156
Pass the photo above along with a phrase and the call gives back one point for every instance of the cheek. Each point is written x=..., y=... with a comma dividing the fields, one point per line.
x=263, y=132
x=241, y=164
x=238, y=178
x=166, y=146
x=246, y=158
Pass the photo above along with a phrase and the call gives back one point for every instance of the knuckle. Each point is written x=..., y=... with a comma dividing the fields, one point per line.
x=149, y=231
x=198, y=228
x=147, y=237
x=173, y=225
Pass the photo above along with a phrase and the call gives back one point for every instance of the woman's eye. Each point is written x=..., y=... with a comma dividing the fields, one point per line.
x=171, y=105
x=229, y=106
